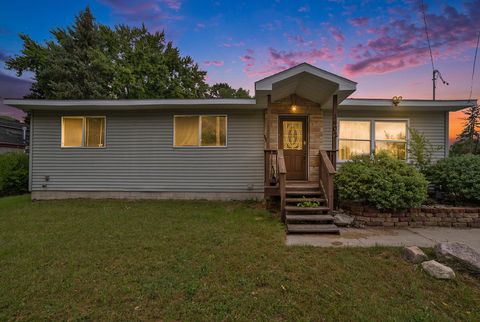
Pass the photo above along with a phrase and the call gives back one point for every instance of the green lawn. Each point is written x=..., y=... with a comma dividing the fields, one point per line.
x=200, y=260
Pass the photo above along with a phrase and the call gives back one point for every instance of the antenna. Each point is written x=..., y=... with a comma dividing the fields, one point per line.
x=436, y=73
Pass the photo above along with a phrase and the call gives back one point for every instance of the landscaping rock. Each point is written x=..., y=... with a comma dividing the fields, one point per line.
x=438, y=270
x=341, y=219
x=461, y=255
x=414, y=254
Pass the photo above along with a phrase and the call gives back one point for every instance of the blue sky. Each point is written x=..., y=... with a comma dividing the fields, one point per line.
x=379, y=44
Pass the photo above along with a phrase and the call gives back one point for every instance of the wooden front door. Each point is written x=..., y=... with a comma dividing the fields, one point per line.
x=293, y=140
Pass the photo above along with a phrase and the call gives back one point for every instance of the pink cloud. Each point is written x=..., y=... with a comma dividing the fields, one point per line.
x=337, y=34
x=249, y=60
x=217, y=63
x=279, y=60
x=402, y=43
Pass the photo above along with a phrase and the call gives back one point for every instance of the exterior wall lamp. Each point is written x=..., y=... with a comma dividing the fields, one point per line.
x=396, y=100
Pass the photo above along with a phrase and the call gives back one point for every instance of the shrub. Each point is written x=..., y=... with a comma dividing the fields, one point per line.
x=458, y=177
x=13, y=173
x=383, y=182
x=421, y=150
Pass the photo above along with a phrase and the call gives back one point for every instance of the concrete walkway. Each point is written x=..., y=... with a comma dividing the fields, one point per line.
x=367, y=237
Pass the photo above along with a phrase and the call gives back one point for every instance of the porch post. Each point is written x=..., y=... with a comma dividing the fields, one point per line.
x=268, y=120
x=334, y=130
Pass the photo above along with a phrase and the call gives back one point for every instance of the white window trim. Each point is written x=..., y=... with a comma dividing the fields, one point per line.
x=372, y=121
x=199, y=146
x=84, y=123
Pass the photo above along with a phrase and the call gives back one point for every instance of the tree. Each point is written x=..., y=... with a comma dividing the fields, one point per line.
x=468, y=140
x=223, y=90
x=89, y=60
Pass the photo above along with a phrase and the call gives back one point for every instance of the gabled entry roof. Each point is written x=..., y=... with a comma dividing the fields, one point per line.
x=305, y=80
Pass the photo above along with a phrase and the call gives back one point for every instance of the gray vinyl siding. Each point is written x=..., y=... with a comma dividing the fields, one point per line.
x=432, y=124
x=139, y=155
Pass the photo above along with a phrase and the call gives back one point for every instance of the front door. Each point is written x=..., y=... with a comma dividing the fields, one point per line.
x=293, y=140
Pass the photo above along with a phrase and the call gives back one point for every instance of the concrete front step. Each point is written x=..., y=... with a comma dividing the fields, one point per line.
x=312, y=229
x=309, y=218
x=306, y=209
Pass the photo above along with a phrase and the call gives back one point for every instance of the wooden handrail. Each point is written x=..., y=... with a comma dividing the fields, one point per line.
x=282, y=169
x=326, y=176
x=282, y=182
x=270, y=166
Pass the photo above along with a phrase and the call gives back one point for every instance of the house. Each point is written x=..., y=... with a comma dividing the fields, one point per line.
x=286, y=142
x=13, y=135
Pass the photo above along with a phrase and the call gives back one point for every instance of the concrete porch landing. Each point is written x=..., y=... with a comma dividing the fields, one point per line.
x=367, y=237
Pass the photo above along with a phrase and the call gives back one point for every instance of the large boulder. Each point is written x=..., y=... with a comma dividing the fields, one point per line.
x=459, y=254
x=438, y=270
x=342, y=219
x=414, y=254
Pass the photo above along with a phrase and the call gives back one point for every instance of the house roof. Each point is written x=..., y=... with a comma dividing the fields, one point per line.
x=130, y=104
x=386, y=104
x=305, y=80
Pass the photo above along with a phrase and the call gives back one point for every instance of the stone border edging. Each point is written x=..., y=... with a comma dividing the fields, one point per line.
x=425, y=216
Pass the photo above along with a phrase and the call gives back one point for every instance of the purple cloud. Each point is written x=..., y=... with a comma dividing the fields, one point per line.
x=151, y=12
x=337, y=34
x=402, y=43
x=279, y=60
x=305, y=8
x=4, y=56
x=217, y=63
x=249, y=60
x=232, y=44
x=360, y=21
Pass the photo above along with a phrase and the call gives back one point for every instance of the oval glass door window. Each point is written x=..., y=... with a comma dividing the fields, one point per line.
x=292, y=135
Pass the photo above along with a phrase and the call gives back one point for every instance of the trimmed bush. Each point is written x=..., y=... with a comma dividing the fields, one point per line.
x=458, y=177
x=13, y=173
x=383, y=182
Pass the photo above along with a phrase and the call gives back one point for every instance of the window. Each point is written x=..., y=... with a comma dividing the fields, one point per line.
x=200, y=131
x=83, y=131
x=354, y=139
x=361, y=137
x=392, y=137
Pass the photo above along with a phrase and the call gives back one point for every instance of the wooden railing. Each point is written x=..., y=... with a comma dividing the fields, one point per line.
x=282, y=182
x=326, y=175
x=332, y=155
x=271, y=177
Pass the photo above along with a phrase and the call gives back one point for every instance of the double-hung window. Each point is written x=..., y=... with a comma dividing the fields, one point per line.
x=364, y=137
x=200, y=131
x=83, y=131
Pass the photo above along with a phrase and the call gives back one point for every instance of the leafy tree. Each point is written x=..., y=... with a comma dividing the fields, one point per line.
x=88, y=60
x=223, y=90
x=468, y=141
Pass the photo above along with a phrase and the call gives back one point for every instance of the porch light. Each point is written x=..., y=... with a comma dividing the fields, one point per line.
x=293, y=108
x=396, y=100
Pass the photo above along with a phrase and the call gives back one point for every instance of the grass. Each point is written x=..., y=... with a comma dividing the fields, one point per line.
x=200, y=260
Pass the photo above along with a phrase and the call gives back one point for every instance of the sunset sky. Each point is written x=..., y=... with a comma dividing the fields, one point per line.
x=379, y=44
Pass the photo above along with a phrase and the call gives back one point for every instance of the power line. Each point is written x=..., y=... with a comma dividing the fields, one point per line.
x=473, y=69
x=426, y=33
